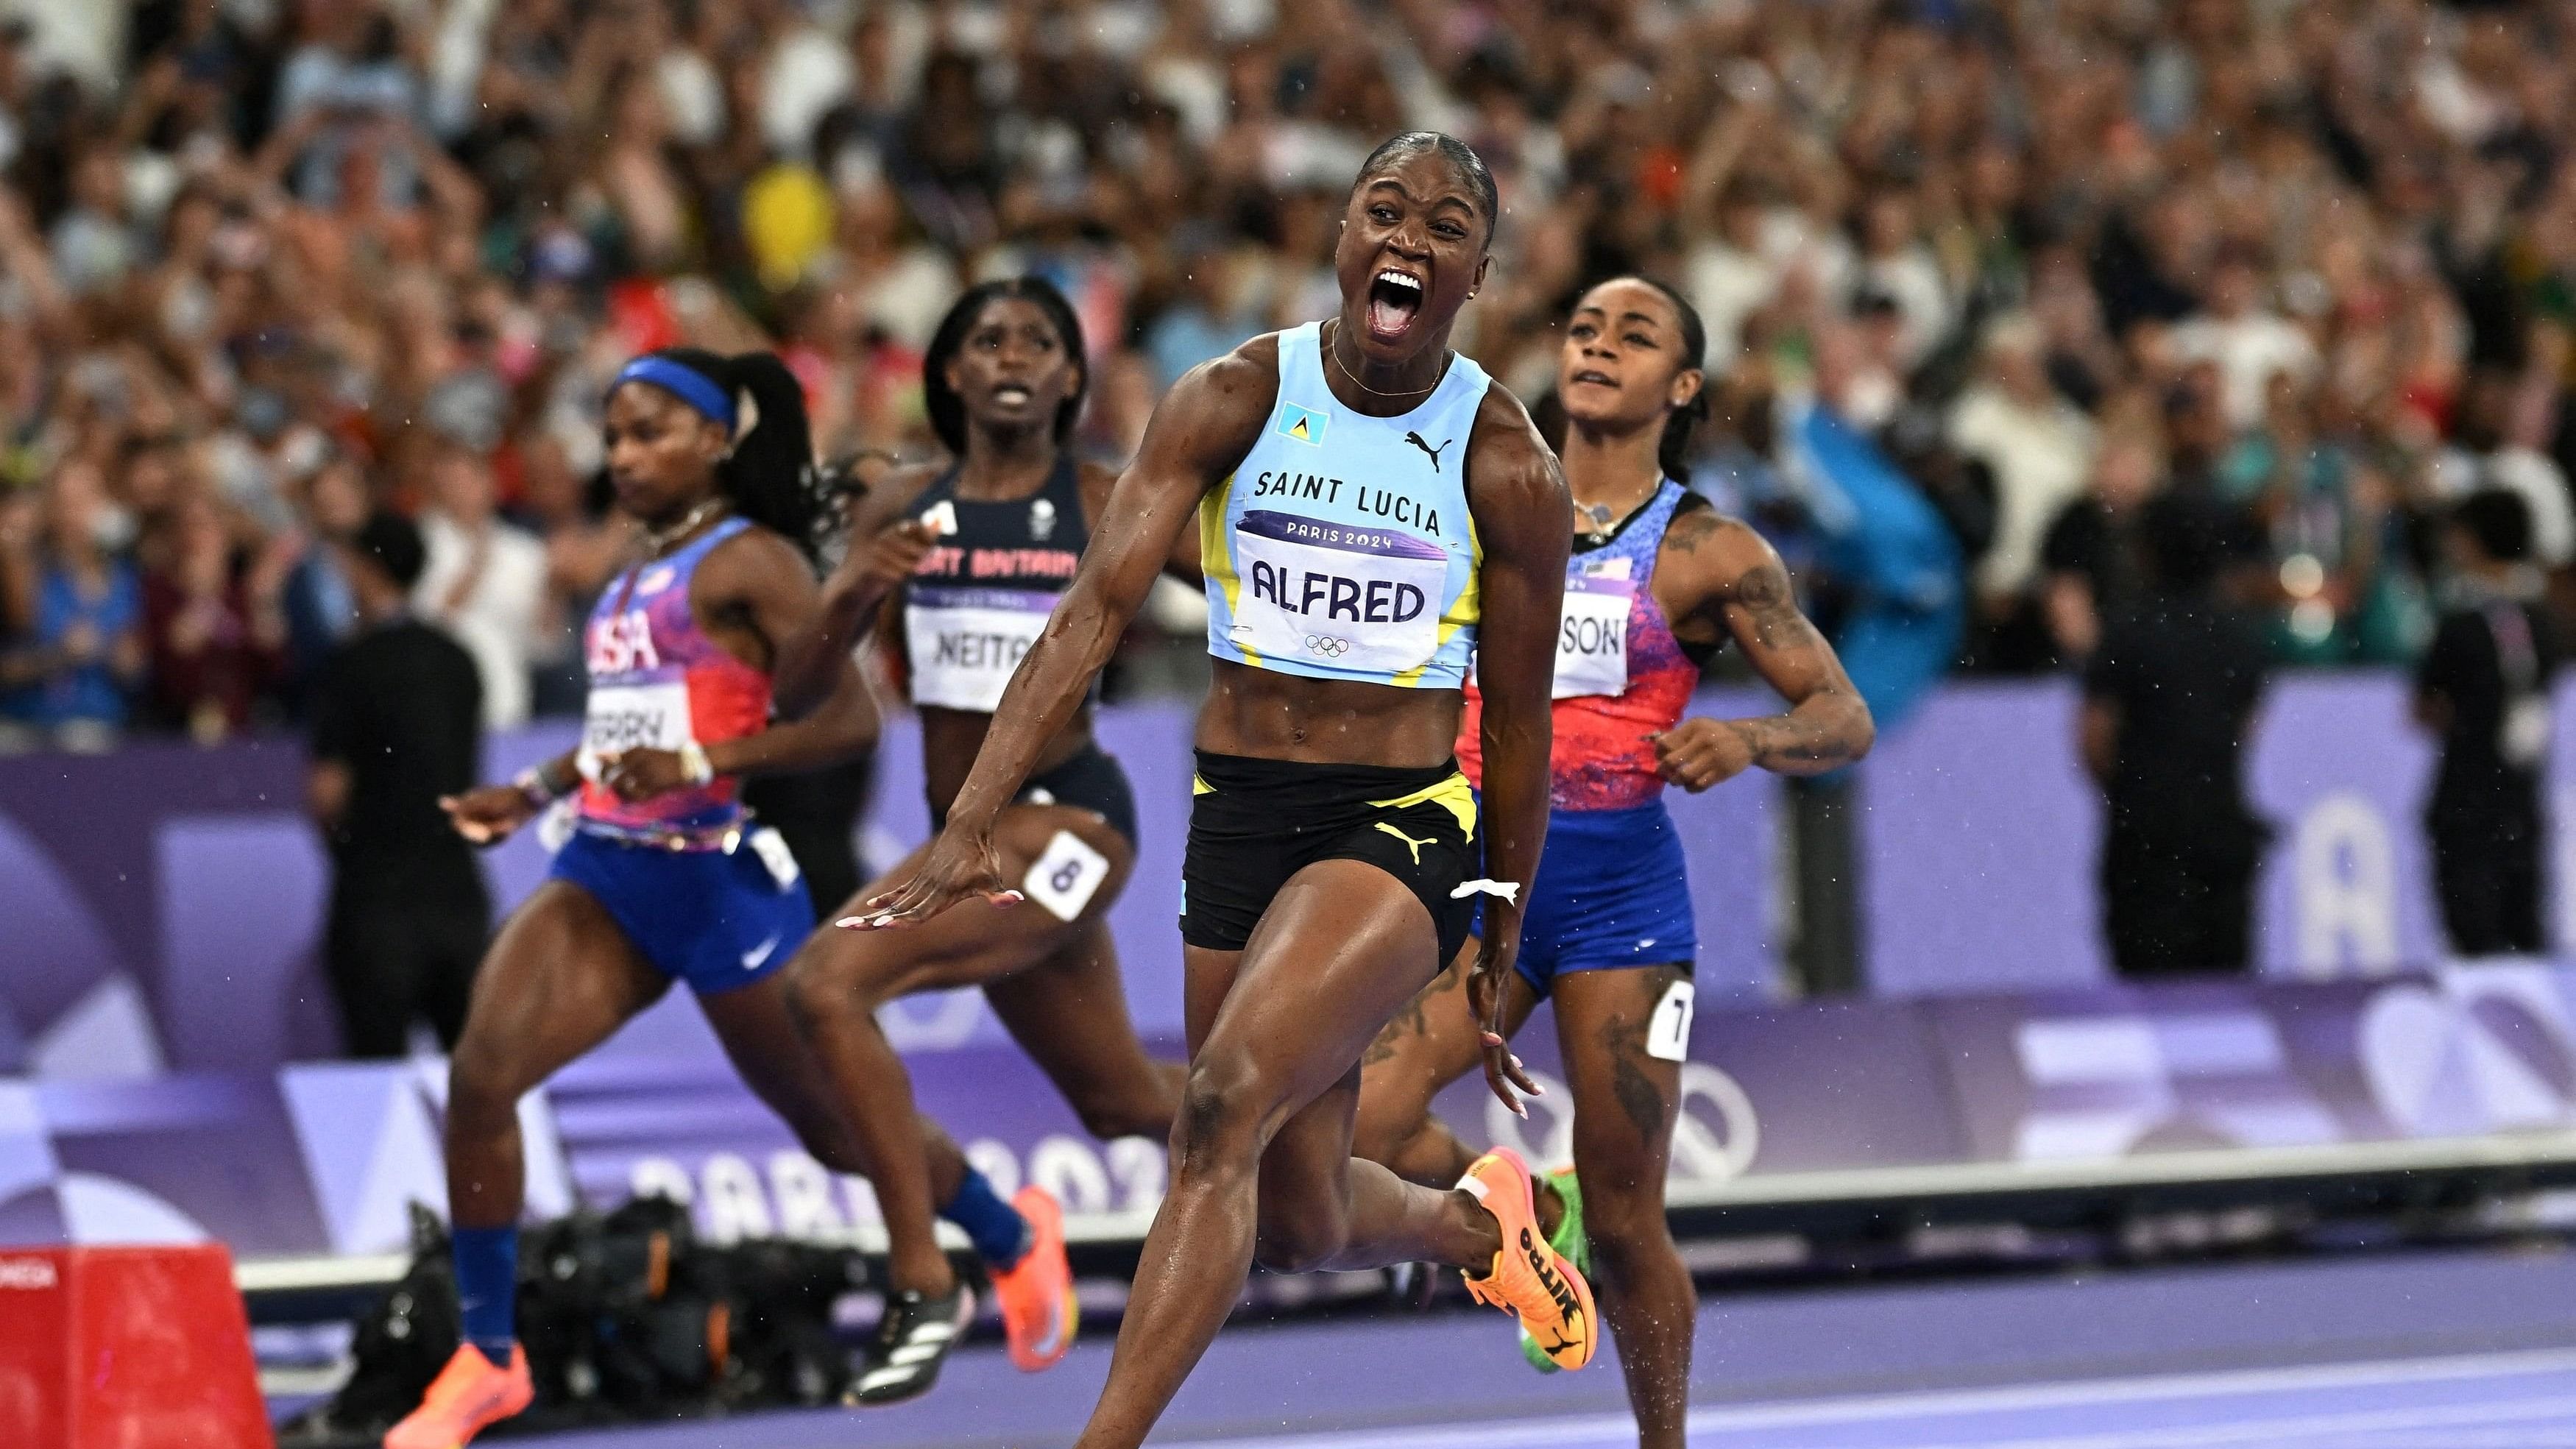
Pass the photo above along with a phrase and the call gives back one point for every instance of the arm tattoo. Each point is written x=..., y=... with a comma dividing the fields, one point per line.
x=1826, y=726
x=1691, y=529
x=1783, y=741
x=1764, y=595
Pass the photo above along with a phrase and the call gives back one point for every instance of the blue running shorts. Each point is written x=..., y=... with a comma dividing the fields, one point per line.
x=1613, y=891
x=718, y=920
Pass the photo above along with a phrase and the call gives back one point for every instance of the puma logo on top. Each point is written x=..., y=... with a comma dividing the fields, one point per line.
x=1429, y=451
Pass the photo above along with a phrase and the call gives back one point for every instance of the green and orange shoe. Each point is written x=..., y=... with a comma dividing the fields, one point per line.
x=1530, y=1280
x=1569, y=1241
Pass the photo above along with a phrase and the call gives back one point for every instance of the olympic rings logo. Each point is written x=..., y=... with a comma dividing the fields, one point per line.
x=1327, y=646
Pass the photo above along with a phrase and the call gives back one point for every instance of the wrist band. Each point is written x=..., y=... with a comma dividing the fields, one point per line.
x=531, y=782
x=1508, y=891
x=694, y=763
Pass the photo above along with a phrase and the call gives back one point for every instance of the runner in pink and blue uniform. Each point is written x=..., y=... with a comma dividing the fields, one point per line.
x=1656, y=584
x=664, y=877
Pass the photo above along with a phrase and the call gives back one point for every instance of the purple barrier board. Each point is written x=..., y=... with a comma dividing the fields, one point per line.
x=1980, y=836
x=165, y=902
x=159, y=924
x=324, y=1159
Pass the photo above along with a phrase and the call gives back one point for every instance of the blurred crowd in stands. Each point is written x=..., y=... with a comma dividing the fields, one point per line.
x=1981, y=279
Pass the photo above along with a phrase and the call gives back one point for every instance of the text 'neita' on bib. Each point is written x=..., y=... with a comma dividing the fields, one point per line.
x=964, y=643
x=1361, y=598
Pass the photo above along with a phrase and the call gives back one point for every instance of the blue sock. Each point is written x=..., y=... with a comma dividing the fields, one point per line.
x=487, y=1288
x=995, y=1227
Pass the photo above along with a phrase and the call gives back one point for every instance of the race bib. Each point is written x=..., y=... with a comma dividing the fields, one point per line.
x=1066, y=876
x=555, y=826
x=772, y=849
x=1668, y=1031
x=964, y=643
x=1592, y=638
x=2524, y=740
x=622, y=717
x=1366, y=600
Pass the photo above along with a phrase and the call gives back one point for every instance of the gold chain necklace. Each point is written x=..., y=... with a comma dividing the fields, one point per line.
x=658, y=539
x=1334, y=352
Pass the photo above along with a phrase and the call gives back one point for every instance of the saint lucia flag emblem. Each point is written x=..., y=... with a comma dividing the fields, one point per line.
x=1304, y=424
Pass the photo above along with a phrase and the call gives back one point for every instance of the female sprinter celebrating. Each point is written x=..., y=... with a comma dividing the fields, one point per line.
x=979, y=553
x=1656, y=584
x=663, y=878
x=1370, y=510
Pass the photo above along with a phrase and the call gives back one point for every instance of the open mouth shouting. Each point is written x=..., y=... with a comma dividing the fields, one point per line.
x=1394, y=300
x=1011, y=395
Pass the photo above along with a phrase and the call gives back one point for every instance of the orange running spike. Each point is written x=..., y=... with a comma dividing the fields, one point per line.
x=1530, y=1280
x=1038, y=1309
x=469, y=1396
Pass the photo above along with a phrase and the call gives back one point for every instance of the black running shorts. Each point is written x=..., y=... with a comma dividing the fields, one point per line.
x=1254, y=823
x=1092, y=780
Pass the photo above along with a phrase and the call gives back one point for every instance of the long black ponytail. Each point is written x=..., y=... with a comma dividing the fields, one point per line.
x=769, y=477
x=1672, y=453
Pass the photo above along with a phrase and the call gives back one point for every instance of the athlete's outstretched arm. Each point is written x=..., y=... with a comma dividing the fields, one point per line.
x=1200, y=430
x=1097, y=482
x=487, y=814
x=884, y=547
x=1739, y=580
x=1525, y=522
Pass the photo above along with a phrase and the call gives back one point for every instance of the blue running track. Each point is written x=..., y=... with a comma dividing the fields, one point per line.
x=2415, y=1350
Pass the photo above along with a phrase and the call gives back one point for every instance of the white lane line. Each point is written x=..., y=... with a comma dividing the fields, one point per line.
x=1714, y=1418
x=2288, y=1430
x=2518, y=1436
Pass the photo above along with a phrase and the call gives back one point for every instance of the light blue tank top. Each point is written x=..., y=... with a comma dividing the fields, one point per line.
x=1341, y=547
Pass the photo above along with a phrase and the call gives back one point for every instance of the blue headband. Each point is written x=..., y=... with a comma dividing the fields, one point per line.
x=683, y=382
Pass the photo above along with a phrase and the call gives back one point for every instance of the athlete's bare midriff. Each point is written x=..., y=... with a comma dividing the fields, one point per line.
x=1272, y=716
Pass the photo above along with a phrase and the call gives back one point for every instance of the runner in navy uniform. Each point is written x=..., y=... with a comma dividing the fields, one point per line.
x=975, y=555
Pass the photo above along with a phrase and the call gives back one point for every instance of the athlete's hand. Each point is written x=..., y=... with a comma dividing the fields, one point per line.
x=1698, y=753
x=643, y=772
x=1495, y=954
x=889, y=558
x=487, y=815
x=959, y=865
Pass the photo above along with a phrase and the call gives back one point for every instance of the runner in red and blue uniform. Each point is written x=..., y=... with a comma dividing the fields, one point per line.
x=664, y=876
x=1656, y=584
